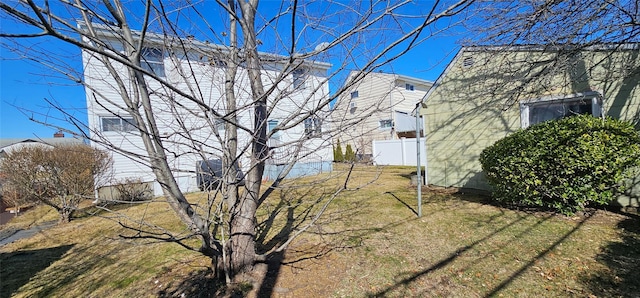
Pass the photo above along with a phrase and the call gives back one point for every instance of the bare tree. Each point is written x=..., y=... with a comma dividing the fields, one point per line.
x=166, y=109
x=558, y=23
x=60, y=177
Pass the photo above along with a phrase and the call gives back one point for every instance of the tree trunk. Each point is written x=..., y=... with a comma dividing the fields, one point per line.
x=65, y=214
x=242, y=240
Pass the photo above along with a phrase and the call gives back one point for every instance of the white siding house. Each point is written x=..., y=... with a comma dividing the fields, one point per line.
x=378, y=107
x=187, y=130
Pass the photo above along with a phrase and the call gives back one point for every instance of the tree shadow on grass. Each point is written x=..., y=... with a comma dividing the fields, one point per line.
x=198, y=284
x=289, y=211
x=17, y=268
x=405, y=281
x=622, y=277
x=294, y=209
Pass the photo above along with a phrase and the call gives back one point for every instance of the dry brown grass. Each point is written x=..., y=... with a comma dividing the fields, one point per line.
x=369, y=243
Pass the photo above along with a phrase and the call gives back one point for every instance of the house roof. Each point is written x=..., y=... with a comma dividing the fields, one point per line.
x=407, y=79
x=189, y=43
x=527, y=48
x=49, y=141
x=552, y=48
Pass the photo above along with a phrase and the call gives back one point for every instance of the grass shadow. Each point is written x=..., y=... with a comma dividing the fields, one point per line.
x=405, y=280
x=17, y=268
x=621, y=278
x=294, y=209
x=198, y=284
x=402, y=202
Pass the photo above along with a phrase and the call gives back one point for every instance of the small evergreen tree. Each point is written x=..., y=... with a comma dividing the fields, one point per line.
x=337, y=153
x=349, y=155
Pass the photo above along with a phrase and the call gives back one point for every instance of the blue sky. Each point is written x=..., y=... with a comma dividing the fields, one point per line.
x=26, y=87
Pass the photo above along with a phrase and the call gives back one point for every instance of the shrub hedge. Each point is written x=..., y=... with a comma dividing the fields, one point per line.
x=564, y=164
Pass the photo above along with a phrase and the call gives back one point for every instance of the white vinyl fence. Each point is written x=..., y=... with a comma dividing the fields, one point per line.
x=398, y=152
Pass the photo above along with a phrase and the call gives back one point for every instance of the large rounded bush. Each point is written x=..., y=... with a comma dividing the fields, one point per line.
x=564, y=164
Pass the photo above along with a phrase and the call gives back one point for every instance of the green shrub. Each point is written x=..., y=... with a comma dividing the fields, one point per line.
x=349, y=155
x=337, y=153
x=563, y=165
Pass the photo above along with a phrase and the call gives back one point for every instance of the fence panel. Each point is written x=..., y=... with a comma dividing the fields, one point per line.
x=398, y=152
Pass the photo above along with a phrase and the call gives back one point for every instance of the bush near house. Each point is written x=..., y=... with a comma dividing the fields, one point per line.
x=337, y=153
x=564, y=164
x=349, y=154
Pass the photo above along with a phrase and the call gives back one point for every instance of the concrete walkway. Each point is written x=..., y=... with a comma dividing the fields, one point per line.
x=26, y=233
x=5, y=217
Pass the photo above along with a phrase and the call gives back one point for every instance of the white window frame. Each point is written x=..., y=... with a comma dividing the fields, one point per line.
x=385, y=124
x=355, y=94
x=409, y=87
x=151, y=61
x=313, y=126
x=124, y=124
x=595, y=97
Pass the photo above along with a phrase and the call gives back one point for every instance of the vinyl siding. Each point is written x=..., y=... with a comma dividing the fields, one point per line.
x=177, y=117
x=473, y=107
x=380, y=95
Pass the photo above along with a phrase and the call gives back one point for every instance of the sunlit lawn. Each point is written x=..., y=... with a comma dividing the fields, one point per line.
x=369, y=242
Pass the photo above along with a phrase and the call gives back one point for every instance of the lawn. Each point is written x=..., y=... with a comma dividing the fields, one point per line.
x=368, y=243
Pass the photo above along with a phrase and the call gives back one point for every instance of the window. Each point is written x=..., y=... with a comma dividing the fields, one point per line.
x=555, y=108
x=387, y=123
x=219, y=124
x=312, y=126
x=354, y=94
x=152, y=60
x=299, y=77
x=117, y=124
x=217, y=62
x=409, y=87
x=271, y=126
